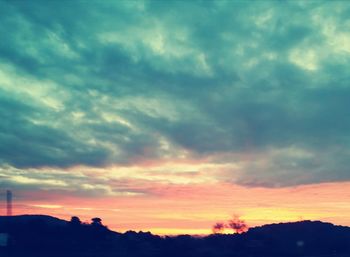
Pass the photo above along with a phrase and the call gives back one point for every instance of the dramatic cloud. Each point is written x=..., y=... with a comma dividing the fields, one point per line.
x=253, y=93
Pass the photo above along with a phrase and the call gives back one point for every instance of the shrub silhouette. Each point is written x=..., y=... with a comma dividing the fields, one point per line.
x=75, y=221
x=96, y=221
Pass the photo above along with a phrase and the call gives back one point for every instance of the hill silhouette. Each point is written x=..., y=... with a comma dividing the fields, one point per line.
x=40, y=235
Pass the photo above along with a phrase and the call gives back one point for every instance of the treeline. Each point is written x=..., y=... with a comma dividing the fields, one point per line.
x=39, y=236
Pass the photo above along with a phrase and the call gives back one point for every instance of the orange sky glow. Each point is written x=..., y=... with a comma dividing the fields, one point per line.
x=171, y=116
x=193, y=209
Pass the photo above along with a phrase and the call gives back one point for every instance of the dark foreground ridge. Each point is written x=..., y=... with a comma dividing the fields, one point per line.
x=40, y=235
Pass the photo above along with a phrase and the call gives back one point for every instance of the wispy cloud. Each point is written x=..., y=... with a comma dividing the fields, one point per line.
x=125, y=99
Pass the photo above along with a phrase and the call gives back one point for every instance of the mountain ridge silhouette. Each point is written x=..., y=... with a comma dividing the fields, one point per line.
x=43, y=235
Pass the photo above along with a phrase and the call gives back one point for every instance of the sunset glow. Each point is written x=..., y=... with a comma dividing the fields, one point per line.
x=170, y=116
x=195, y=208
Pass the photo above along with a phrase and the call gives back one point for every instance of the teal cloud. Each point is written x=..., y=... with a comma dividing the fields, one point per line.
x=104, y=83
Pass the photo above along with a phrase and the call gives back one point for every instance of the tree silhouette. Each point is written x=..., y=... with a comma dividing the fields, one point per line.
x=96, y=221
x=218, y=227
x=75, y=221
x=238, y=225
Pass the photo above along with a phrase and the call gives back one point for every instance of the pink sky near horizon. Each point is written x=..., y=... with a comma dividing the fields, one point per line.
x=170, y=116
x=194, y=208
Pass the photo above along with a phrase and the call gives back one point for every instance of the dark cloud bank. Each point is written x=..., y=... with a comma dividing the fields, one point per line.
x=103, y=83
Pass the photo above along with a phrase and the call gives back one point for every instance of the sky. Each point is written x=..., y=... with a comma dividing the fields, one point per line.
x=169, y=116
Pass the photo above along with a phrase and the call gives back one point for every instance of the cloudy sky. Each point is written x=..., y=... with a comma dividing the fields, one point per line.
x=170, y=116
